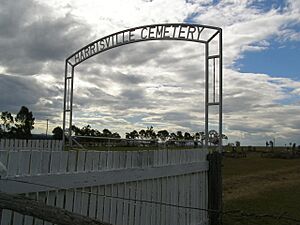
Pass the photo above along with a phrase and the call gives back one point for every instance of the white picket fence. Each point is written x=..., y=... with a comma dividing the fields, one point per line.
x=161, y=187
x=22, y=144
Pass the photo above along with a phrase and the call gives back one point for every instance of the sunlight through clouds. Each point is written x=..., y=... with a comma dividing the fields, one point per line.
x=157, y=83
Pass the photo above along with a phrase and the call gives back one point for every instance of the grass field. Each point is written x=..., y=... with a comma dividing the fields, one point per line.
x=262, y=186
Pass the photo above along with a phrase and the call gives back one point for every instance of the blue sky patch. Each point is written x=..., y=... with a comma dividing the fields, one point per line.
x=279, y=60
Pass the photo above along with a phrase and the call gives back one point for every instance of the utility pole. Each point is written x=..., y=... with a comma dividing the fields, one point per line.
x=47, y=128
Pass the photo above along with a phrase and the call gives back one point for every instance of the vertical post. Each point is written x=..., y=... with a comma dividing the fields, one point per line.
x=215, y=188
x=71, y=106
x=65, y=104
x=220, y=90
x=206, y=69
x=47, y=127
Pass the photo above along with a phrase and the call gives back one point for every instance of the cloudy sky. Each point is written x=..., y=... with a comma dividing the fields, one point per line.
x=157, y=83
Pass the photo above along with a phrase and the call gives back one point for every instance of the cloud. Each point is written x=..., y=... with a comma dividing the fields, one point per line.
x=31, y=36
x=156, y=83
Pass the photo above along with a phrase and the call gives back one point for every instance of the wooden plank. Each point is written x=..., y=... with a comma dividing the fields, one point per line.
x=51, y=200
x=81, y=157
x=126, y=204
x=92, y=211
x=157, y=198
x=46, y=161
x=41, y=197
x=113, y=206
x=24, y=163
x=107, y=203
x=69, y=200
x=89, y=161
x=35, y=162
x=28, y=220
x=181, y=200
x=144, y=206
x=174, y=193
x=120, y=204
x=13, y=165
x=39, y=210
x=55, y=162
x=138, y=205
x=63, y=165
x=72, y=161
x=77, y=201
x=132, y=205
x=97, y=178
x=100, y=203
x=6, y=217
x=85, y=201
x=4, y=158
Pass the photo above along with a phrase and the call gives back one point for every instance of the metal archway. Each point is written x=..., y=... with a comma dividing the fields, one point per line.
x=176, y=31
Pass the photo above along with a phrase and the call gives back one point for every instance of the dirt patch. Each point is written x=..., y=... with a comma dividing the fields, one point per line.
x=253, y=184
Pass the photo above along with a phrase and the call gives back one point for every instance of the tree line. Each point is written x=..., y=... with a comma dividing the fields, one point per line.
x=19, y=126
x=143, y=134
x=22, y=124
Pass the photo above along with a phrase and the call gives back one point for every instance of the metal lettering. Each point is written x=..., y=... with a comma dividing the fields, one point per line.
x=123, y=37
x=200, y=29
x=167, y=31
x=102, y=46
x=131, y=35
x=159, y=31
x=189, y=32
x=77, y=58
x=181, y=32
x=107, y=41
x=87, y=52
x=92, y=49
x=142, y=33
x=82, y=56
x=156, y=32
x=151, y=32
x=174, y=32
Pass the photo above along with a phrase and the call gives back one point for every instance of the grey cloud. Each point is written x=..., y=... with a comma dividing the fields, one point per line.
x=19, y=90
x=30, y=37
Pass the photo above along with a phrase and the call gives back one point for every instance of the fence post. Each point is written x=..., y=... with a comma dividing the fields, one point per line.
x=215, y=188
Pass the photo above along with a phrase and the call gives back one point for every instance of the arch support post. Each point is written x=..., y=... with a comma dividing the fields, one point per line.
x=68, y=103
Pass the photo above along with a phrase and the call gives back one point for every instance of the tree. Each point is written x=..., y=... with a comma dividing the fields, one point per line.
x=106, y=133
x=142, y=134
x=76, y=130
x=179, y=135
x=57, y=133
x=173, y=136
x=24, y=123
x=213, y=137
x=150, y=133
x=132, y=135
x=7, y=120
x=187, y=136
x=163, y=135
x=86, y=130
x=115, y=135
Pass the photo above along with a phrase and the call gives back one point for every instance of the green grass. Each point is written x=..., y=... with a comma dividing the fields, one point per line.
x=280, y=197
x=254, y=164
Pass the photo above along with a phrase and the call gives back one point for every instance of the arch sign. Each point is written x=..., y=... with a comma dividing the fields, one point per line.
x=210, y=36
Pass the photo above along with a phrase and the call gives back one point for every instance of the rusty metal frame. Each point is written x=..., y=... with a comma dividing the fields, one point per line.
x=89, y=51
